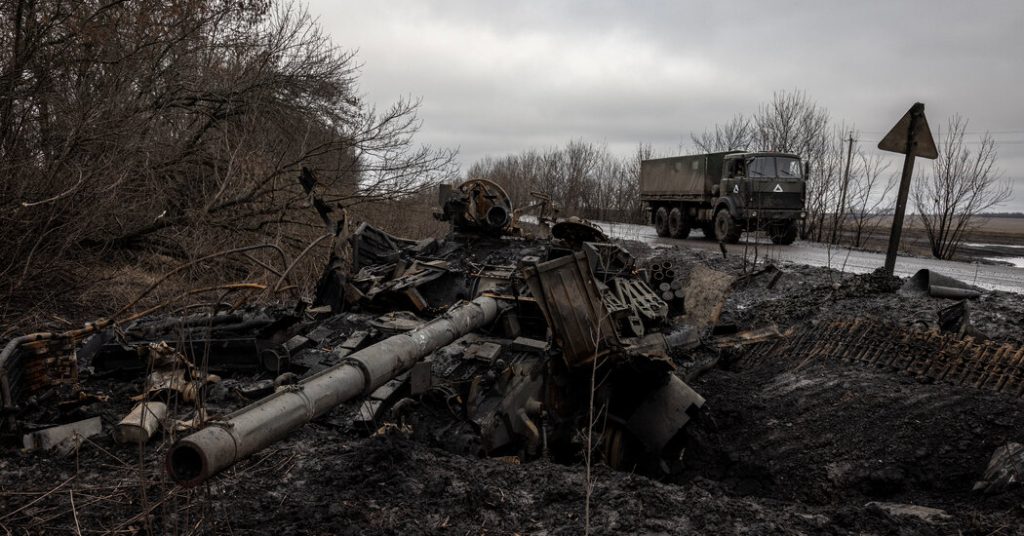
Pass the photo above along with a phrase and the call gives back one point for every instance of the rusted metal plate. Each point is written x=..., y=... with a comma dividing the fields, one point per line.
x=571, y=302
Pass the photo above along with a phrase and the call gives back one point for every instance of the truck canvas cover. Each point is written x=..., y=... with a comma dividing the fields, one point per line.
x=681, y=175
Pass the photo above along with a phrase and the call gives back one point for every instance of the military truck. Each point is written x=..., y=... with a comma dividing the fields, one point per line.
x=725, y=194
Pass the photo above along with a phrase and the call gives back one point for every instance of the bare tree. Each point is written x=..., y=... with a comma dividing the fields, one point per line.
x=736, y=135
x=869, y=196
x=789, y=122
x=963, y=183
x=177, y=126
x=584, y=178
x=629, y=184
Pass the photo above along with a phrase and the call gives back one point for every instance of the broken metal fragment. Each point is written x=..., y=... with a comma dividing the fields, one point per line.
x=476, y=206
x=565, y=291
x=639, y=297
x=575, y=231
x=421, y=377
x=256, y=390
x=371, y=246
x=663, y=413
x=141, y=423
x=609, y=260
x=524, y=344
x=397, y=322
x=1005, y=469
x=173, y=372
x=371, y=412
x=64, y=438
x=939, y=286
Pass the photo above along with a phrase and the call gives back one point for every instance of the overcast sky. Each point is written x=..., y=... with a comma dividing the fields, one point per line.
x=500, y=77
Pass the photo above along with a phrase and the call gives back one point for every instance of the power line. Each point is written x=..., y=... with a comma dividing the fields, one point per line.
x=968, y=132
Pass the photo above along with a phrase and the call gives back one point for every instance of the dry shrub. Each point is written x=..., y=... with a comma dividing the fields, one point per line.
x=412, y=217
x=136, y=136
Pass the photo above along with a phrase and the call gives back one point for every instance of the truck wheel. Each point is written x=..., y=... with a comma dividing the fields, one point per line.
x=726, y=229
x=678, y=227
x=661, y=222
x=784, y=234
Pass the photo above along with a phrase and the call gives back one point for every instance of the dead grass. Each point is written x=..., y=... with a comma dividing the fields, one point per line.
x=410, y=218
x=97, y=290
x=1002, y=230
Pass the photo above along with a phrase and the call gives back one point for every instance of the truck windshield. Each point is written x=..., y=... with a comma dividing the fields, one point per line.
x=774, y=166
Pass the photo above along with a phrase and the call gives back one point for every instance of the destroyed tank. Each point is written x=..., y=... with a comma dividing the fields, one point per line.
x=487, y=342
x=509, y=373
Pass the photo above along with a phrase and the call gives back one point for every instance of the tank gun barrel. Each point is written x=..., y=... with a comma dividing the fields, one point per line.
x=204, y=453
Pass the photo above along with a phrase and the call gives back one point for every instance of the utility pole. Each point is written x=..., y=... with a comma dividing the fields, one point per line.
x=841, y=208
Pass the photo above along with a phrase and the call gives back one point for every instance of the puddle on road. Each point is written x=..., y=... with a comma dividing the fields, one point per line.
x=986, y=245
x=1017, y=262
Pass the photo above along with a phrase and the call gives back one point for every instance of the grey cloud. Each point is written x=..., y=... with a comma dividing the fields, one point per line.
x=500, y=77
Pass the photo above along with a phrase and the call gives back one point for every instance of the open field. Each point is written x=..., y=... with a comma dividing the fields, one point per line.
x=992, y=238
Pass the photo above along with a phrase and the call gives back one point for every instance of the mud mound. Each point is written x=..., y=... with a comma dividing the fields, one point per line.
x=831, y=434
x=384, y=485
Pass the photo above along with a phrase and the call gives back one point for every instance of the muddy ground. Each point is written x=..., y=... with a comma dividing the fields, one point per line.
x=781, y=449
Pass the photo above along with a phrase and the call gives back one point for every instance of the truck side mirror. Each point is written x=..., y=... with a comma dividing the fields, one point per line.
x=807, y=169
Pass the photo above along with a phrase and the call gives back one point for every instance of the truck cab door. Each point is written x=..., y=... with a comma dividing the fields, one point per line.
x=734, y=178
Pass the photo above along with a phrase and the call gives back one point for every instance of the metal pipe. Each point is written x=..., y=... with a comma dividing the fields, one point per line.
x=141, y=423
x=203, y=454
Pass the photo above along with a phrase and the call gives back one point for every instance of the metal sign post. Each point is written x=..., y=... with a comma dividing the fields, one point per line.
x=912, y=137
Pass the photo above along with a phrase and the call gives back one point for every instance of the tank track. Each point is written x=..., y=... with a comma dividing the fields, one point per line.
x=928, y=355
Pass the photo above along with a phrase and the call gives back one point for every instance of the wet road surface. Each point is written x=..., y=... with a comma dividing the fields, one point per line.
x=988, y=276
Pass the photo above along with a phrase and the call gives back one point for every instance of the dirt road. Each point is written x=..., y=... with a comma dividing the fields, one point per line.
x=814, y=254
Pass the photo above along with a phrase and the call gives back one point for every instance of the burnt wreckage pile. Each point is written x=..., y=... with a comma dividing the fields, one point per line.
x=487, y=342
x=491, y=342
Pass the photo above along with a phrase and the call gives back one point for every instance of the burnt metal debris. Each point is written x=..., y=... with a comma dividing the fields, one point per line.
x=497, y=331
x=491, y=342
x=939, y=286
x=205, y=452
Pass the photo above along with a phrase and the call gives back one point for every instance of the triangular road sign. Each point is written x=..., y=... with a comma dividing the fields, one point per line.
x=896, y=139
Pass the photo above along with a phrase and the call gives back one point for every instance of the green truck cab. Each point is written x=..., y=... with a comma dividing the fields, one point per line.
x=725, y=194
